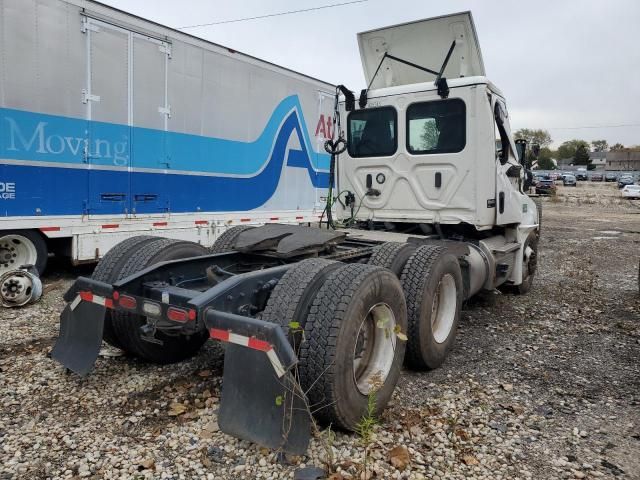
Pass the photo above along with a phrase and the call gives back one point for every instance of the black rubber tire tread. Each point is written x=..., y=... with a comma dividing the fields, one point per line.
x=414, y=279
x=226, y=241
x=127, y=326
x=109, y=269
x=40, y=244
x=392, y=255
x=319, y=368
x=292, y=297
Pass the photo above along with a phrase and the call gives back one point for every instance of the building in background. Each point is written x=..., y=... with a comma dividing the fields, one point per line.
x=626, y=160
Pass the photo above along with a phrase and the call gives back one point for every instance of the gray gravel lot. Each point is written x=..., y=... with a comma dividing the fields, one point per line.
x=541, y=386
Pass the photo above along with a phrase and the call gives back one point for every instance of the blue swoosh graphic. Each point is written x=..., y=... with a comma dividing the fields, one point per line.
x=238, y=175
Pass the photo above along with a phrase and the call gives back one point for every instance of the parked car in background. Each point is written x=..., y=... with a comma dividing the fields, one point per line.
x=582, y=176
x=631, y=191
x=546, y=186
x=555, y=176
x=597, y=177
x=569, y=180
x=610, y=177
x=625, y=180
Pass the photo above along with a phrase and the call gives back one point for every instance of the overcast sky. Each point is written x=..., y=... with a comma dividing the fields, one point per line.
x=560, y=63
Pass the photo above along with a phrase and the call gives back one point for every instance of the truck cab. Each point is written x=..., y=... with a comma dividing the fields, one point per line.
x=430, y=145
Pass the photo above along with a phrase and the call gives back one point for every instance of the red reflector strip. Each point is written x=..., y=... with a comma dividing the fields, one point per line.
x=256, y=344
x=274, y=218
x=245, y=219
x=251, y=342
x=160, y=224
x=86, y=296
x=50, y=229
x=111, y=225
x=201, y=222
x=219, y=334
x=97, y=299
x=299, y=218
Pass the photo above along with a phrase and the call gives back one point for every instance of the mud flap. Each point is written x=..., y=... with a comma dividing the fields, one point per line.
x=261, y=401
x=258, y=406
x=78, y=344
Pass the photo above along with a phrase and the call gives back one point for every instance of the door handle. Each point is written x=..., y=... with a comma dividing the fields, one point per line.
x=145, y=197
x=112, y=197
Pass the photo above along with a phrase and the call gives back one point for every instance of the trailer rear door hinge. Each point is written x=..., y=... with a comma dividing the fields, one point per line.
x=87, y=25
x=165, y=48
x=165, y=111
x=87, y=97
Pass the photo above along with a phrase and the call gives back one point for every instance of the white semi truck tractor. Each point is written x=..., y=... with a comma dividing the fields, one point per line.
x=426, y=207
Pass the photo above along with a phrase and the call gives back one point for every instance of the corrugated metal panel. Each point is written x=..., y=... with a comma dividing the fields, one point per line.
x=110, y=75
x=148, y=84
x=20, y=48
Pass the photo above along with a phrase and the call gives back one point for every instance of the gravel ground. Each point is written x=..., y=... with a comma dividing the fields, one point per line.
x=540, y=386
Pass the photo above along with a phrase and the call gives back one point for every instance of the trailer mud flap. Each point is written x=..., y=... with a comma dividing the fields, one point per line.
x=258, y=406
x=78, y=344
x=261, y=400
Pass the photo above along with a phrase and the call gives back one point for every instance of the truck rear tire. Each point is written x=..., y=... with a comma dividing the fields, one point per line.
x=22, y=247
x=292, y=297
x=351, y=350
x=227, y=240
x=392, y=255
x=432, y=284
x=126, y=326
x=109, y=270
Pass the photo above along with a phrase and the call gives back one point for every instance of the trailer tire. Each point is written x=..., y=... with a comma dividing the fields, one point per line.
x=292, y=297
x=227, y=240
x=175, y=348
x=22, y=247
x=431, y=273
x=344, y=319
x=392, y=255
x=109, y=270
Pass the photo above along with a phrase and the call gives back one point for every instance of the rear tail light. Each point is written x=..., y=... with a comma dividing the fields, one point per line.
x=125, y=301
x=181, y=315
x=177, y=315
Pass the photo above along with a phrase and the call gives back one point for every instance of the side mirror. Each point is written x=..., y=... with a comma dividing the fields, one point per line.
x=535, y=148
x=521, y=148
x=349, y=98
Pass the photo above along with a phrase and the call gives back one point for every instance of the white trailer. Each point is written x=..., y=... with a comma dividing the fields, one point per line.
x=113, y=126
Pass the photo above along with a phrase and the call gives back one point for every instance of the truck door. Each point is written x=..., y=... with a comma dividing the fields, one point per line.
x=150, y=112
x=508, y=201
x=108, y=141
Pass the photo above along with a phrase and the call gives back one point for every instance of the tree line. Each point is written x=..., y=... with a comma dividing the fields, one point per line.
x=576, y=149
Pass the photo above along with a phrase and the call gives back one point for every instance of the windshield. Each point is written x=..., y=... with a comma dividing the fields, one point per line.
x=372, y=132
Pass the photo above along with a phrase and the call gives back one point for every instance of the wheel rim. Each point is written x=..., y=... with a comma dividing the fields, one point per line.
x=16, y=288
x=374, y=349
x=15, y=251
x=443, y=310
